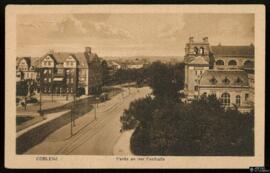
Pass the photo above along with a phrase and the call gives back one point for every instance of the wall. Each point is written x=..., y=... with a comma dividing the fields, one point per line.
x=39, y=133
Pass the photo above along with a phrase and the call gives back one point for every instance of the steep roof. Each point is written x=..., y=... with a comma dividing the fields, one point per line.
x=81, y=57
x=219, y=77
x=27, y=59
x=243, y=51
x=196, y=60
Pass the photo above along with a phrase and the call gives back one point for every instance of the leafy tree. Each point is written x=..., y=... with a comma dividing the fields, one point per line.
x=105, y=72
x=21, y=88
x=202, y=128
x=164, y=82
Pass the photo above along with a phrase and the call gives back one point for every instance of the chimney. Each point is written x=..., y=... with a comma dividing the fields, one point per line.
x=191, y=39
x=205, y=39
x=88, y=50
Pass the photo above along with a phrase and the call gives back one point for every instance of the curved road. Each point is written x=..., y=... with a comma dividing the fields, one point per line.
x=90, y=136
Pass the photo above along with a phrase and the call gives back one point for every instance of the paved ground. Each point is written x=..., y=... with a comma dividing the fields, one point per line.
x=90, y=136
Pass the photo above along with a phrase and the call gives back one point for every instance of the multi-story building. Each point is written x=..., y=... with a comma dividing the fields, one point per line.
x=24, y=69
x=224, y=71
x=65, y=73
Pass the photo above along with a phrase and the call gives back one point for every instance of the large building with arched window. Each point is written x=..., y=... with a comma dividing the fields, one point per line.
x=224, y=71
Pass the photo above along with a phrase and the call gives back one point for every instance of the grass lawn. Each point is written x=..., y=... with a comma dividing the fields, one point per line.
x=23, y=122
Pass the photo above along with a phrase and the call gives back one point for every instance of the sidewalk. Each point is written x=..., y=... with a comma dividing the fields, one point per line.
x=47, y=118
x=122, y=147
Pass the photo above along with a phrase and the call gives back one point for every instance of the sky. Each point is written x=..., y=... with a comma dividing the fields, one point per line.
x=128, y=34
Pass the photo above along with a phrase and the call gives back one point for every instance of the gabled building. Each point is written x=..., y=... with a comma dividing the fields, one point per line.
x=24, y=69
x=65, y=73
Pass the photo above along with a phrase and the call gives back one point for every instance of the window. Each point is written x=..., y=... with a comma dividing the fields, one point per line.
x=220, y=62
x=71, y=90
x=49, y=80
x=238, y=100
x=213, y=81
x=225, y=99
x=49, y=90
x=249, y=64
x=45, y=90
x=196, y=50
x=67, y=90
x=49, y=63
x=246, y=96
x=201, y=50
x=71, y=80
x=232, y=62
x=226, y=81
x=196, y=88
x=67, y=80
x=238, y=81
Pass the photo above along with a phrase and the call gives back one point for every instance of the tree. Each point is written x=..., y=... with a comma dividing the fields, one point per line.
x=21, y=88
x=164, y=81
x=201, y=128
x=105, y=72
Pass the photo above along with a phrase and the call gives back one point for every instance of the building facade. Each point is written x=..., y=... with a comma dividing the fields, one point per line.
x=224, y=71
x=64, y=73
x=24, y=69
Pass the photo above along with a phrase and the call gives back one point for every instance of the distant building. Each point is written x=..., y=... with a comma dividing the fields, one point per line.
x=224, y=71
x=65, y=73
x=24, y=69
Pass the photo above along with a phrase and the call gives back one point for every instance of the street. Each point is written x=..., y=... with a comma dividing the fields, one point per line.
x=90, y=136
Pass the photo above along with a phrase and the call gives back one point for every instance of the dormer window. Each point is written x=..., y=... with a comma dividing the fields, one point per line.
x=238, y=81
x=226, y=81
x=213, y=81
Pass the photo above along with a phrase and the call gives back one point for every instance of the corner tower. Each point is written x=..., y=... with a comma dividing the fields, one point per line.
x=196, y=63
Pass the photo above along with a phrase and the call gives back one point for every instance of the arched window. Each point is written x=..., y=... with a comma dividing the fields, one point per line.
x=249, y=64
x=201, y=50
x=225, y=99
x=232, y=62
x=238, y=100
x=220, y=62
x=196, y=50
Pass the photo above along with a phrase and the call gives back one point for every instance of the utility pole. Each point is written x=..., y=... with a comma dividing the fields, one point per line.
x=52, y=86
x=74, y=106
x=40, y=90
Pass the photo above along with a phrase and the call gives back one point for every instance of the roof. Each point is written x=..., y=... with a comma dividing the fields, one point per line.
x=196, y=60
x=243, y=51
x=219, y=77
x=199, y=60
x=81, y=57
x=27, y=59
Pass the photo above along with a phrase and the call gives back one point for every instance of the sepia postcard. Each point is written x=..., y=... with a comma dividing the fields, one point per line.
x=134, y=86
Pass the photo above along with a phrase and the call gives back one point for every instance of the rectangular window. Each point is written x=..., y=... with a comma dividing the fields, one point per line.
x=49, y=80
x=71, y=80
x=196, y=88
x=67, y=80
x=246, y=96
